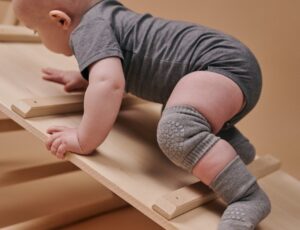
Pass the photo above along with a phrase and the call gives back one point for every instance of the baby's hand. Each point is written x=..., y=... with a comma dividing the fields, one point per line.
x=72, y=80
x=63, y=140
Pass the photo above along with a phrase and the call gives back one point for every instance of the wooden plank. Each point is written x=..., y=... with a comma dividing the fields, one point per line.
x=283, y=191
x=25, y=174
x=36, y=107
x=129, y=162
x=10, y=33
x=9, y=17
x=126, y=219
x=54, y=201
x=66, y=217
x=187, y=198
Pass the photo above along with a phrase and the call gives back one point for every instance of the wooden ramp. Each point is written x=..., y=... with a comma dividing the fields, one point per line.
x=129, y=162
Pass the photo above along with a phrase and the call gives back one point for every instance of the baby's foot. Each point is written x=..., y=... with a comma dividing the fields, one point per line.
x=247, y=212
x=247, y=202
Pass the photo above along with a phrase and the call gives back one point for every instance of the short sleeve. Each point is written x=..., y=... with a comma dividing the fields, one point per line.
x=93, y=41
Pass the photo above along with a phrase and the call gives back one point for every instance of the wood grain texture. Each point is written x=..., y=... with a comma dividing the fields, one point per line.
x=46, y=106
x=187, y=198
x=9, y=17
x=54, y=201
x=129, y=162
x=10, y=33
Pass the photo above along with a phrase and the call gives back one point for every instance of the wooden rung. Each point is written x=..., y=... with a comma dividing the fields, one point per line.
x=35, y=107
x=66, y=217
x=52, y=202
x=9, y=17
x=9, y=33
x=187, y=198
x=36, y=172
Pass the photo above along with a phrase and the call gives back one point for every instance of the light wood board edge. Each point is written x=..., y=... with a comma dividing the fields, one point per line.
x=187, y=198
x=10, y=33
x=70, y=216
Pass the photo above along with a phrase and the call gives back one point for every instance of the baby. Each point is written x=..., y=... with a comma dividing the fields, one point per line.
x=206, y=80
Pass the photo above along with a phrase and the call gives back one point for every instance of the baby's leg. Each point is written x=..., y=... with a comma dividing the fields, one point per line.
x=240, y=143
x=198, y=107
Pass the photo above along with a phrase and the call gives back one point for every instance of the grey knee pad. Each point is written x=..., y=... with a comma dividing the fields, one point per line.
x=184, y=135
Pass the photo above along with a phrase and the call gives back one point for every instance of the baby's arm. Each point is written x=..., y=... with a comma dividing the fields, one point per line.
x=101, y=105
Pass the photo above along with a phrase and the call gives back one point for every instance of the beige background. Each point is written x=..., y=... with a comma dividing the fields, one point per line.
x=271, y=29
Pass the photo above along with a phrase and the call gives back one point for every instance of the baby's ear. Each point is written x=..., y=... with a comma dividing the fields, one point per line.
x=62, y=19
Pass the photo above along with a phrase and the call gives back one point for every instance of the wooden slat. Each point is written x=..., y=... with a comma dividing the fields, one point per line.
x=36, y=107
x=127, y=218
x=9, y=17
x=17, y=34
x=26, y=174
x=187, y=198
x=65, y=217
x=54, y=201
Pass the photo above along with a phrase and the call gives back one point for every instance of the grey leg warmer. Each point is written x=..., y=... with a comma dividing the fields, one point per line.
x=184, y=135
x=240, y=143
x=247, y=203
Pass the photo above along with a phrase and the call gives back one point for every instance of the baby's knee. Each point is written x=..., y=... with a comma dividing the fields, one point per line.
x=185, y=136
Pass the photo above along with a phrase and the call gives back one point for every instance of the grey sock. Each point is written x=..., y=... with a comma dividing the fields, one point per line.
x=247, y=203
x=240, y=143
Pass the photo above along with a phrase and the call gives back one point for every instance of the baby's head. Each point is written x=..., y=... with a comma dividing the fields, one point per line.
x=53, y=20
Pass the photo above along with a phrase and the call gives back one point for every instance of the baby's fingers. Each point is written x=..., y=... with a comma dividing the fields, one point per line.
x=61, y=151
x=53, y=75
x=51, y=139
x=51, y=71
x=55, y=145
x=54, y=78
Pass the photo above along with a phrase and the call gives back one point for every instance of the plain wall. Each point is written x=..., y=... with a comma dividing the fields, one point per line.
x=271, y=28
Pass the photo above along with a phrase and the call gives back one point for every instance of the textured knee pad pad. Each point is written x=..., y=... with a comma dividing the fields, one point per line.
x=184, y=135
